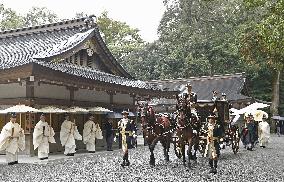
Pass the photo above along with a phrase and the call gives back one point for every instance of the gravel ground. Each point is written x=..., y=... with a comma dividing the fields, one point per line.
x=258, y=165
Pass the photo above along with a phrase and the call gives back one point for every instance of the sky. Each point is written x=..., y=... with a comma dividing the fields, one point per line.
x=142, y=14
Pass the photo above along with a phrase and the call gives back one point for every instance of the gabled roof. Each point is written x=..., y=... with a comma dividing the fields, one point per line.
x=31, y=44
x=231, y=84
x=40, y=44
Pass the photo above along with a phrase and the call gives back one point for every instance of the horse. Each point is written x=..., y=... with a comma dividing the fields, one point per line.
x=187, y=129
x=187, y=132
x=155, y=129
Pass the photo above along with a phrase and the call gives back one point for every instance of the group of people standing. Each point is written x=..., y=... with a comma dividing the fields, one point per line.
x=255, y=131
x=12, y=138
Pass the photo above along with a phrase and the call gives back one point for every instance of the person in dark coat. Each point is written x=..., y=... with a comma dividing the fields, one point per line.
x=248, y=133
x=133, y=138
x=109, y=134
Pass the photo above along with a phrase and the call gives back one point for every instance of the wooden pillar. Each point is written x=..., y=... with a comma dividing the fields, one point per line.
x=71, y=94
x=134, y=99
x=30, y=89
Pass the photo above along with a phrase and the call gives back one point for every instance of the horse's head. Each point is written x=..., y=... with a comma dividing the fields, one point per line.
x=146, y=113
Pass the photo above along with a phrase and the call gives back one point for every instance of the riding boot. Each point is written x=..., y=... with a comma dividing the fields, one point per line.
x=215, y=166
x=211, y=166
x=124, y=160
x=127, y=163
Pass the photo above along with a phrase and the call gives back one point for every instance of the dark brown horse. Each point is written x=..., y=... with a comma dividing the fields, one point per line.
x=155, y=129
x=187, y=129
x=187, y=135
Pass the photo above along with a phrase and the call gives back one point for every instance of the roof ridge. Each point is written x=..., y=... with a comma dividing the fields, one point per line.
x=63, y=24
x=200, y=77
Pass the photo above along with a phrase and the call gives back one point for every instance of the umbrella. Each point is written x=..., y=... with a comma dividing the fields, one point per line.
x=258, y=115
x=114, y=115
x=278, y=118
x=99, y=110
x=20, y=109
x=77, y=110
x=131, y=114
x=257, y=105
x=51, y=109
x=249, y=109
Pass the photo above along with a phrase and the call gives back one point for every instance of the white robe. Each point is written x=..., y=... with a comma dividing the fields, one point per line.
x=264, y=133
x=41, y=139
x=11, y=143
x=68, y=134
x=91, y=132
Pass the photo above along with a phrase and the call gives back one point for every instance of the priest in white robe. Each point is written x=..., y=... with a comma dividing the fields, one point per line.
x=91, y=132
x=12, y=139
x=264, y=133
x=42, y=136
x=68, y=134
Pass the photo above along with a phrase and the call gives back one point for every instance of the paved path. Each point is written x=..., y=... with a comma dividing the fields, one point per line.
x=258, y=165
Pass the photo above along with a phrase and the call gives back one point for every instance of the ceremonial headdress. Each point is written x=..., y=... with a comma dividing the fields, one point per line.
x=13, y=115
x=124, y=113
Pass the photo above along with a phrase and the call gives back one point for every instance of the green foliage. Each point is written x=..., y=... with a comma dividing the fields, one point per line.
x=262, y=39
x=9, y=19
x=262, y=43
x=38, y=16
x=120, y=37
x=200, y=36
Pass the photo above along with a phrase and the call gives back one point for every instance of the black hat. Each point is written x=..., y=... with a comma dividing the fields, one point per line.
x=13, y=115
x=91, y=116
x=42, y=114
x=124, y=112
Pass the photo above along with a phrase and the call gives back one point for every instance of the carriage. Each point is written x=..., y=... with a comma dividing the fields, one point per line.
x=188, y=128
x=230, y=133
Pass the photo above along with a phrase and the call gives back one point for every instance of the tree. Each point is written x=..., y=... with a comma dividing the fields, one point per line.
x=262, y=41
x=9, y=19
x=200, y=36
x=120, y=37
x=38, y=16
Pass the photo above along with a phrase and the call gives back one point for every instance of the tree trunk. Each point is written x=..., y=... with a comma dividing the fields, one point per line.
x=275, y=96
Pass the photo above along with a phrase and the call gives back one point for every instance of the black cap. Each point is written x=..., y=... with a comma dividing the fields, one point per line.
x=13, y=115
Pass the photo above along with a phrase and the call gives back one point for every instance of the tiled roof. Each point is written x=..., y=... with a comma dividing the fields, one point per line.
x=38, y=44
x=231, y=84
x=93, y=74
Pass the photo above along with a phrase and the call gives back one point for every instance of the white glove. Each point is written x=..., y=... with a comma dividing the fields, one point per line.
x=114, y=139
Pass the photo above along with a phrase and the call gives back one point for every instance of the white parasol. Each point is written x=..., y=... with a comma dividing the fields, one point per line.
x=20, y=109
x=99, y=110
x=258, y=115
x=51, y=109
x=77, y=110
